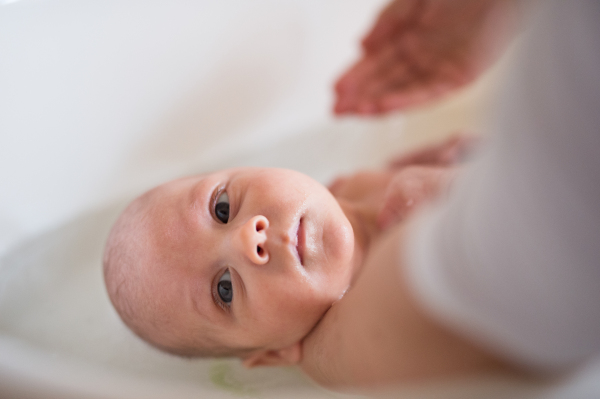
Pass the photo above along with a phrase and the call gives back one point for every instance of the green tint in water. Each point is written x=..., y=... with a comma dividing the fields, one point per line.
x=222, y=377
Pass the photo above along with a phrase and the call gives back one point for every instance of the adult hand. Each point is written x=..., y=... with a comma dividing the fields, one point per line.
x=421, y=176
x=420, y=50
x=410, y=180
x=410, y=188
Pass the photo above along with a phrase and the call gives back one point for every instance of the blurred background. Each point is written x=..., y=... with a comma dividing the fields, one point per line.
x=101, y=100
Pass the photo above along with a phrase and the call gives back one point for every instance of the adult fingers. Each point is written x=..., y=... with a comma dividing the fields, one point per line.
x=404, y=192
x=359, y=89
x=412, y=187
x=392, y=20
x=450, y=152
x=349, y=87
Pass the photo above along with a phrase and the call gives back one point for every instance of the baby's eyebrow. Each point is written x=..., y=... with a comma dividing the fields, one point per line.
x=197, y=200
x=192, y=193
x=197, y=296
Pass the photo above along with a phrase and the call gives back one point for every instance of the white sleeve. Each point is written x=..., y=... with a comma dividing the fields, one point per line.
x=513, y=259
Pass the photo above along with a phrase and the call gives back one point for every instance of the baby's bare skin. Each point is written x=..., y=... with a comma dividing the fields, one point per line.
x=351, y=347
x=286, y=247
x=377, y=336
x=240, y=262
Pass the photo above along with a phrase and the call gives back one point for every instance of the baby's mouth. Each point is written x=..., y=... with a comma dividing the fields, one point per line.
x=296, y=240
x=300, y=239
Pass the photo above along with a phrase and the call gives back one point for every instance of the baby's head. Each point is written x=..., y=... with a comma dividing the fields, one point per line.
x=242, y=262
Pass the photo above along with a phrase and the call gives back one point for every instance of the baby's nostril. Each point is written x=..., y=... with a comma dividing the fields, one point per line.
x=259, y=250
x=260, y=225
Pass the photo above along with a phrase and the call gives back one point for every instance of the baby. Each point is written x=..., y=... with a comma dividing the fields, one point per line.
x=245, y=262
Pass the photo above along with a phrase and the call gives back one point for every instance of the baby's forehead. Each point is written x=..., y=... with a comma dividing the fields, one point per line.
x=178, y=186
x=169, y=221
x=161, y=201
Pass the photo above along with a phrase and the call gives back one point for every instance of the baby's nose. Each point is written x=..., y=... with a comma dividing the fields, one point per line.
x=252, y=238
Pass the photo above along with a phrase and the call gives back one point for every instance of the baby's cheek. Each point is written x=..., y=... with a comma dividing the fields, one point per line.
x=338, y=243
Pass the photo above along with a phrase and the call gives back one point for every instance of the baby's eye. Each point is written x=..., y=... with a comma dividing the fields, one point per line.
x=222, y=208
x=224, y=288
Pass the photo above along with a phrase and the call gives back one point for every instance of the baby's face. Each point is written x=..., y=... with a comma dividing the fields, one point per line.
x=245, y=258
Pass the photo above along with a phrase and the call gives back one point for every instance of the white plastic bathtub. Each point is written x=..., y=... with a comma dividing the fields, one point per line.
x=100, y=100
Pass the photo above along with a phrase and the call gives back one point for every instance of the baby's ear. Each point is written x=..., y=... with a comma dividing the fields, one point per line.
x=280, y=357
